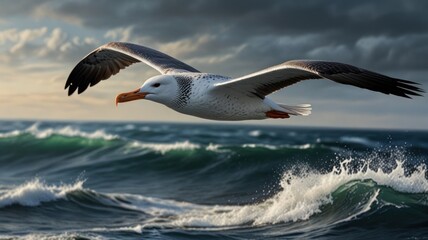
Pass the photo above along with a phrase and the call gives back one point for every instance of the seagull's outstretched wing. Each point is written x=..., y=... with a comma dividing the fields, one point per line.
x=110, y=58
x=274, y=78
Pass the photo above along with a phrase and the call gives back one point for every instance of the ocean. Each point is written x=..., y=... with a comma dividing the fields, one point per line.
x=98, y=180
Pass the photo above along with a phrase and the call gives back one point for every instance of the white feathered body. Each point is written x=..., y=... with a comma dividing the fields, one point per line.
x=206, y=101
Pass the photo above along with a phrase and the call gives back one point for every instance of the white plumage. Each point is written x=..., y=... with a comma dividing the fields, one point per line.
x=188, y=91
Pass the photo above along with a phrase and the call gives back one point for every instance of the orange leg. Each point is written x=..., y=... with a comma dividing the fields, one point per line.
x=276, y=114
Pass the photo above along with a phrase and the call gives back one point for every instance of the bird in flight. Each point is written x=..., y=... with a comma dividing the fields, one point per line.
x=211, y=96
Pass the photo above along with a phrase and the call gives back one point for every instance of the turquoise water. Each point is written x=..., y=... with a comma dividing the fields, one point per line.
x=77, y=180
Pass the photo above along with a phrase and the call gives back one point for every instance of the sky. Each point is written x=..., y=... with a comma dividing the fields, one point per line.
x=41, y=41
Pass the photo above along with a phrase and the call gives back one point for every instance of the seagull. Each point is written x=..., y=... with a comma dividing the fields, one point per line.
x=216, y=97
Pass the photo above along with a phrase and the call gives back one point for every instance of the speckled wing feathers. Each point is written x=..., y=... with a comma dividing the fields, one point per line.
x=274, y=78
x=109, y=59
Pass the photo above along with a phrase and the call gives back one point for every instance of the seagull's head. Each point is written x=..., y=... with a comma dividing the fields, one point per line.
x=162, y=89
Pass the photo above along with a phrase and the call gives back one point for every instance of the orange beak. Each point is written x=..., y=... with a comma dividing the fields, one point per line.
x=130, y=96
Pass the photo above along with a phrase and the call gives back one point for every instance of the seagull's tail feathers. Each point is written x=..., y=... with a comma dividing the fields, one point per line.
x=298, y=110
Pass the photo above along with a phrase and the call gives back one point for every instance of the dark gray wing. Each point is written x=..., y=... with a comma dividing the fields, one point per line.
x=110, y=58
x=274, y=78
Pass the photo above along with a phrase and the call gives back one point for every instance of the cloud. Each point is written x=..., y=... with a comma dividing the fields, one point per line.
x=271, y=31
x=21, y=7
x=368, y=33
x=169, y=19
x=21, y=38
x=121, y=34
x=20, y=46
x=56, y=39
x=406, y=52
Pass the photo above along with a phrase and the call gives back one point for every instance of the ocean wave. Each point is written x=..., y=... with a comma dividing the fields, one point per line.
x=35, y=192
x=304, y=195
x=67, y=131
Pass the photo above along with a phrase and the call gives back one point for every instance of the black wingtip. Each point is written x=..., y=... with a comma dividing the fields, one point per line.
x=71, y=89
x=70, y=92
x=409, y=88
x=69, y=83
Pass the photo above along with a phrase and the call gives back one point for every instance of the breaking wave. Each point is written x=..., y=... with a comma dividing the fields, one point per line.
x=342, y=194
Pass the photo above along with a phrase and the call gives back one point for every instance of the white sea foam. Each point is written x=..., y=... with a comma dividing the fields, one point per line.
x=135, y=229
x=13, y=133
x=187, y=145
x=177, y=146
x=60, y=236
x=255, y=133
x=256, y=145
x=276, y=147
x=213, y=147
x=303, y=146
x=165, y=147
x=218, y=148
x=67, y=131
x=35, y=192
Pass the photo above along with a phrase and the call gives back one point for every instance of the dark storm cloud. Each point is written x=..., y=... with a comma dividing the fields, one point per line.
x=168, y=20
x=380, y=34
x=19, y=7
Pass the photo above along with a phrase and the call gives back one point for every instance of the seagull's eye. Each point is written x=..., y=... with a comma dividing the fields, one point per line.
x=156, y=85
